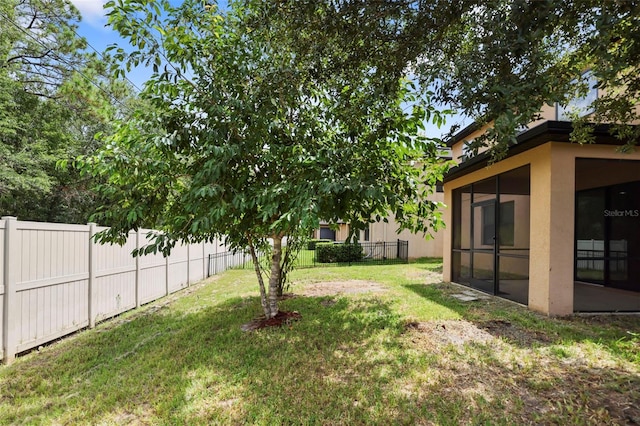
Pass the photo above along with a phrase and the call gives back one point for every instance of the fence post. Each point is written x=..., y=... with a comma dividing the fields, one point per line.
x=138, y=268
x=12, y=251
x=92, y=275
x=398, y=249
x=188, y=264
x=205, y=272
x=166, y=275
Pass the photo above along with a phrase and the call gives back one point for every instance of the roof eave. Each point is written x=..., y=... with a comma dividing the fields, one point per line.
x=548, y=131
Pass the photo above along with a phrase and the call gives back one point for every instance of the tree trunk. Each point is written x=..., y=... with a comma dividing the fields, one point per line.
x=281, y=279
x=263, y=293
x=274, y=279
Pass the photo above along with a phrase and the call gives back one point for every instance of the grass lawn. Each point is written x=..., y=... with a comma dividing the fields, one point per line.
x=375, y=345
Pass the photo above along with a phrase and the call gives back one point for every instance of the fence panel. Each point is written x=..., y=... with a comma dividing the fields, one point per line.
x=178, y=265
x=153, y=276
x=54, y=279
x=197, y=262
x=114, y=287
x=373, y=252
x=51, y=282
x=222, y=261
x=2, y=253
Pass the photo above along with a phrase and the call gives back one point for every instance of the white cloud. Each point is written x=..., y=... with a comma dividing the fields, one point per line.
x=91, y=10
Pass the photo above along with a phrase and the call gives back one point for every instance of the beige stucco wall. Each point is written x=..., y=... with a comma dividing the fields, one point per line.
x=552, y=218
x=456, y=149
x=547, y=112
x=419, y=246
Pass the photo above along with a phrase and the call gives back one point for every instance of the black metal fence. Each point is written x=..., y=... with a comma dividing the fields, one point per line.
x=373, y=253
x=220, y=262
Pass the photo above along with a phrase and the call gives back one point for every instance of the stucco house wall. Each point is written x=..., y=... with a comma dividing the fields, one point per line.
x=552, y=215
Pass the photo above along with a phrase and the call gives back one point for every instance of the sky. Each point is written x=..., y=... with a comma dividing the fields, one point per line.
x=94, y=28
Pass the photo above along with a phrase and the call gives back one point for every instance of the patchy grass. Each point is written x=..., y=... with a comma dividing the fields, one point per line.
x=382, y=345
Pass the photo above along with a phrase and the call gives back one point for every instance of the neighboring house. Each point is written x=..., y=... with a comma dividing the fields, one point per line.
x=419, y=246
x=554, y=225
x=382, y=231
x=333, y=232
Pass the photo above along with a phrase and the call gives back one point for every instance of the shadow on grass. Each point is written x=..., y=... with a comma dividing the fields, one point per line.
x=183, y=368
x=433, y=264
x=346, y=362
x=526, y=328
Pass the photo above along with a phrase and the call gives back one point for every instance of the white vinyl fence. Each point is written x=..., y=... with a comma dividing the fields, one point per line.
x=591, y=255
x=55, y=280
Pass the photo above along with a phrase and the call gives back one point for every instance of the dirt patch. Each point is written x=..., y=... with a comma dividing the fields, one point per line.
x=512, y=333
x=332, y=288
x=281, y=318
x=459, y=332
x=450, y=331
x=431, y=277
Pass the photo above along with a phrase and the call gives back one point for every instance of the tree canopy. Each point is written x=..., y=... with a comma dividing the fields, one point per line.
x=497, y=61
x=54, y=97
x=242, y=140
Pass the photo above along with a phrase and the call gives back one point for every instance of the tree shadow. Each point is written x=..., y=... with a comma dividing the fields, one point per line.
x=433, y=264
x=199, y=367
x=526, y=328
x=346, y=361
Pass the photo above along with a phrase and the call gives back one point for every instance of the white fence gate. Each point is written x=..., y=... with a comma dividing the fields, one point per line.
x=55, y=280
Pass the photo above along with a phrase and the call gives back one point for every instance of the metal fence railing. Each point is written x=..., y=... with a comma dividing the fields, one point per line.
x=368, y=253
x=220, y=262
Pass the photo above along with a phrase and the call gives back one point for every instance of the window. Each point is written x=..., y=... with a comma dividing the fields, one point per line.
x=488, y=232
x=467, y=151
x=327, y=233
x=507, y=212
x=580, y=104
x=507, y=221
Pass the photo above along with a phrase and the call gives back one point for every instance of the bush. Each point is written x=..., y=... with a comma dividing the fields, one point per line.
x=311, y=244
x=338, y=253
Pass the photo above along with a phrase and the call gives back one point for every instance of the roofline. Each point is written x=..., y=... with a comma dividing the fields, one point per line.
x=548, y=131
x=462, y=134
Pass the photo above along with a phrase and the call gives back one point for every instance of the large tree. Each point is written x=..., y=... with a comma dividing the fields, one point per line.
x=512, y=57
x=54, y=97
x=243, y=141
x=497, y=61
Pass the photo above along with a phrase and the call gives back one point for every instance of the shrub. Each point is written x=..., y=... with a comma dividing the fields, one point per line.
x=311, y=244
x=338, y=253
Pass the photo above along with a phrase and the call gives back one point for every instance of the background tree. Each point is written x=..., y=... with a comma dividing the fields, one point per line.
x=242, y=142
x=54, y=97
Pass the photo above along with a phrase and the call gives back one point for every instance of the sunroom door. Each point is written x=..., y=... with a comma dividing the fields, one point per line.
x=484, y=242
